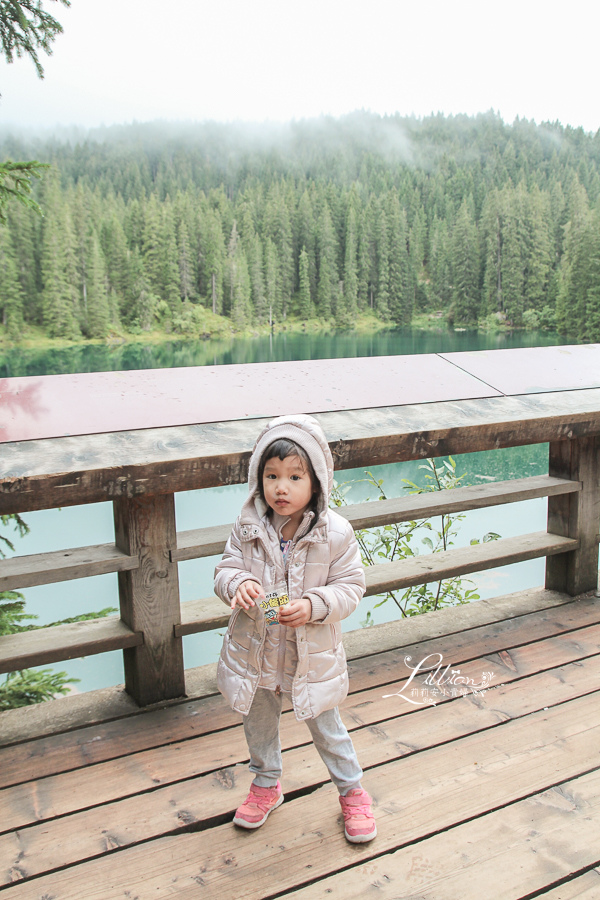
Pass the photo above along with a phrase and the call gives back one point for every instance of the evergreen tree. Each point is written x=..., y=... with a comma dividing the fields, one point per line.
x=58, y=269
x=382, y=297
x=11, y=292
x=98, y=312
x=186, y=272
x=257, y=280
x=273, y=283
x=304, y=301
x=212, y=259
x=328, y=275
x=400, y=280
x=465, y=267
x=351, y=268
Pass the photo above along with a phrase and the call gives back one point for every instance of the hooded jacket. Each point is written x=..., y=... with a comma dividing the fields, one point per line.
x=324, y=565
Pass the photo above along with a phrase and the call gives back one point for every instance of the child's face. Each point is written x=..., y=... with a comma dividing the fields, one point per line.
x=287, y=487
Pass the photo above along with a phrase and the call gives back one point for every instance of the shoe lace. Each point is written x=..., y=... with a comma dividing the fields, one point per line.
x=260, y=801
x=353, y=809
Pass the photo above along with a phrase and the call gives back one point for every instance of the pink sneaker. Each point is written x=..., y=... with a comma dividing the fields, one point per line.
x=359, y=821
x=258, y=804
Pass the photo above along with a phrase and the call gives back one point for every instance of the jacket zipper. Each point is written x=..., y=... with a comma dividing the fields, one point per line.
x=283, y=631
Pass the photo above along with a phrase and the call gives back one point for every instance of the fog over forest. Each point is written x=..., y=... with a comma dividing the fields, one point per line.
x=192, y=228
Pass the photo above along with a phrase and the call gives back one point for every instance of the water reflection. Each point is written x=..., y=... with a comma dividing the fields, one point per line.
x=265, y=348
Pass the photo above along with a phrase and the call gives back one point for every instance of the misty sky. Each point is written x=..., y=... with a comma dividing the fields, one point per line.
x=125, y=60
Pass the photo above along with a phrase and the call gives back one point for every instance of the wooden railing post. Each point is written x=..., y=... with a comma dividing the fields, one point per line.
x=149, y=597
x=575, y=515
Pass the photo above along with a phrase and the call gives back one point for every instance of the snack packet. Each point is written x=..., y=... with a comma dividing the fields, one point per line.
x=273, y=601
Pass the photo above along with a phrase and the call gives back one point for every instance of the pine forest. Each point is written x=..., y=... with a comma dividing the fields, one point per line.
x=190, y=228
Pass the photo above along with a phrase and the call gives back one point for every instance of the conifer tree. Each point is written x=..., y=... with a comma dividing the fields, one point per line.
x=257, y=279
x=186, y=273
x=465, y=267
x=212, y=259
x=98, y=312
x=351, y=267
x=401, y=287
x=306, y=233
x=304, y=301
x=11, y=292
x=382, y=296
x=273, y=283
x=58, y=269
x=327, y=260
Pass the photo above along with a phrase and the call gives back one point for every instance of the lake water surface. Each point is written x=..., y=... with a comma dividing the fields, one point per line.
x=92, y=524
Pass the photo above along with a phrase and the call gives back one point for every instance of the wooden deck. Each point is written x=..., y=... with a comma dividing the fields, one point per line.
x=493, y=794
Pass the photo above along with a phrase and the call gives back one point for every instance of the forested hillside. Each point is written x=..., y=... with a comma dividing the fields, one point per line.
x=156, y=225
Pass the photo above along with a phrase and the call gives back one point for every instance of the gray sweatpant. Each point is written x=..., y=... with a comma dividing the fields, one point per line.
x=329, y=735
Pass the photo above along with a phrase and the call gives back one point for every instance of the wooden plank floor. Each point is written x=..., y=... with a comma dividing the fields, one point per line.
x=491, y=794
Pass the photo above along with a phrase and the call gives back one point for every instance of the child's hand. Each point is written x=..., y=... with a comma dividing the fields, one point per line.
x=297, y=612
x=246, y=594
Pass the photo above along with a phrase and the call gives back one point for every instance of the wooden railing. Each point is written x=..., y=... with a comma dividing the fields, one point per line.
x=141, y=471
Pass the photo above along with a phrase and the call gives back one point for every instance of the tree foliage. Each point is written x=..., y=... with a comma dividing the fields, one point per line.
x=152, y=228
x=25, y=28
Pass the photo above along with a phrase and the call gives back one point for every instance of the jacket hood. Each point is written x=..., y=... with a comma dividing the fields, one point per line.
x=308, y=434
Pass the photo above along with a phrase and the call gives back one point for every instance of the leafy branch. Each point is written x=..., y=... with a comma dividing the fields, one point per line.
x=16, y=184
x=398, y=541
x=29, y=686
x=26, y=27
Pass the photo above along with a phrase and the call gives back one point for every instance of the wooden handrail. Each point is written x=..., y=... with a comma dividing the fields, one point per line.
x=141, y=471
x=60, y=642
x=201, y=542
x=46, y=645
x=210, y=612
x=20, y=572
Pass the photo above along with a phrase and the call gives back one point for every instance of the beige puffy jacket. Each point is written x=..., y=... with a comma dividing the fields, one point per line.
x=324, y=565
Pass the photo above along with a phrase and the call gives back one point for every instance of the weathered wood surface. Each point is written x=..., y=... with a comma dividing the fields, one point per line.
x=60, y=642
x=201, y=542
x=63, y=565
x=463, y=560
x=155, y=620
x=576, y=516
x=71, y=470
x=554, y=658
x=149, y=597
x=494, y=794
x=473, y=630
x=210, y=612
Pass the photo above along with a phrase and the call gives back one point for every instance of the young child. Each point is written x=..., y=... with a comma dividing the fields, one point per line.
x=291, y=572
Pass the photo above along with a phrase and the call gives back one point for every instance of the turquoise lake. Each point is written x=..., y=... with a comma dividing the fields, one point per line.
x=82, y=525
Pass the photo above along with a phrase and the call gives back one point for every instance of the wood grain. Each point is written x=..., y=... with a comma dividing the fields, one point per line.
x=576, y=515
x=63, y=565
x=72, y=470
x=433, y=567
x=201, y=542
x=40, y=800
x=69, y=839
x=429, y=791
x=149, y=597
x=573, y=623
x=60, y=642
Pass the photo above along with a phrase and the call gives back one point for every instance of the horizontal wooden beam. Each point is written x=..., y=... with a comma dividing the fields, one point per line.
x=201, y=542
x=87, y=469
x=63, y=565
x=60, y=642
x=210, y=612
x=202, y=615
x=434, y=567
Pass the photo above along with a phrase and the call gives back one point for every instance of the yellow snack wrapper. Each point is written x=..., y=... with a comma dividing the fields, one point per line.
x=272, y=603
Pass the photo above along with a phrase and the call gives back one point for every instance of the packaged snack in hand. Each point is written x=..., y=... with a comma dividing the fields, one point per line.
x=272, y=603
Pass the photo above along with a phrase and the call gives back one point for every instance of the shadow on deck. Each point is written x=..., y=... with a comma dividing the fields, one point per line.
x=493, y=794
